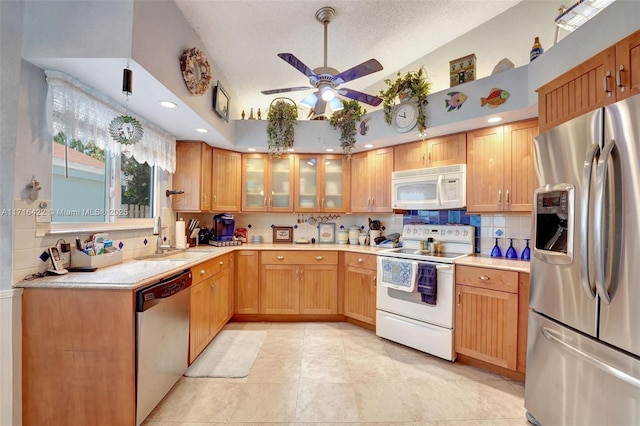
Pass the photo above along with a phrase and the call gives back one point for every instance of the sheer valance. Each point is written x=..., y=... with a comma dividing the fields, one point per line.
x=82, y=113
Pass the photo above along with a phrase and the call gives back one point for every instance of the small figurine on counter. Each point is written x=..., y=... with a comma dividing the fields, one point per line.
x=251, y=117
x=243, y=114
x=259, y=114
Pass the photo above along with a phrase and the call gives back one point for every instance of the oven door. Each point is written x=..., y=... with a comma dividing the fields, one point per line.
x=410, y=305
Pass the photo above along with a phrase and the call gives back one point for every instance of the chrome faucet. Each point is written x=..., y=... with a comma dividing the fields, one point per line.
x=157, y=230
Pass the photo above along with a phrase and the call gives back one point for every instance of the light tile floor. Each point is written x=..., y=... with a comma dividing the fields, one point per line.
x=335, y=373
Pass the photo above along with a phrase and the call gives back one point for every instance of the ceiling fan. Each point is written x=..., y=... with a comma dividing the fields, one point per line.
x=327, y=80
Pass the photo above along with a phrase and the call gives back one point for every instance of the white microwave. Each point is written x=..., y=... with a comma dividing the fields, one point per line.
x=433, y=188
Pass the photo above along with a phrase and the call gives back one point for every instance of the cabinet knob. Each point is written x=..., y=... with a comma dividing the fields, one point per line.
x=221, y=263
x=319, y=257
x=202, y=271
x=280, y=257
x=484, y=278
x=360, y=260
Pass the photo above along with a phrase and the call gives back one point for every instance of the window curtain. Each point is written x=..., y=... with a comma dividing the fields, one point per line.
x=82, y=113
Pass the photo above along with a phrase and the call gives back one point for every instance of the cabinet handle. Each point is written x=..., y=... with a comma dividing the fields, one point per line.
x=360, y=260
x=221, y=262
x=204, y=199
x=202, y=272
x=484, y=278
x=429, y=157
x=458, y=298
x=606, y=84
x=280, y=257
x=297, y=274
x=301, y=275
x=318, y=257
x=500, y=196
x=264, y=203
x=215, y=200
x=423, y=154
x=322, y=203
x=375, y=282
x=368, y=201
x=507, y=197
x=318, y=201
x=619, y=78
x=270, y=205
x=373, y=201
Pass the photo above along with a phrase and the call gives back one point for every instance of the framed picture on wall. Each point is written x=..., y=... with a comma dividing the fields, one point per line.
x=327, y=233
x=221, y=102
x=282, y=234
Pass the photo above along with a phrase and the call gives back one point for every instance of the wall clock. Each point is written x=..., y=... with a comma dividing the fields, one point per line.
x=405, y=116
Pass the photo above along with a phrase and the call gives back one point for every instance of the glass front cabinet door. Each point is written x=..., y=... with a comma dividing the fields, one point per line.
x=321, y=183
x=267, y=183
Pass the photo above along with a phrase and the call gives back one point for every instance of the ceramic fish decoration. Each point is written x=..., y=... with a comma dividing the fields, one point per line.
x=496, y=98
x=456, y=100
x=364, y=128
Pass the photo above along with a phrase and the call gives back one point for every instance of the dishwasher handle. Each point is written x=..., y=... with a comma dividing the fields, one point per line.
x=153, y=294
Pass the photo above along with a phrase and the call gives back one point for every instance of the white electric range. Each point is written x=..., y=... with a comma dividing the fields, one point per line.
x=401, y=314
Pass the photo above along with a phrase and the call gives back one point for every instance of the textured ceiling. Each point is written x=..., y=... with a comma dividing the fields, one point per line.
x=243, y=37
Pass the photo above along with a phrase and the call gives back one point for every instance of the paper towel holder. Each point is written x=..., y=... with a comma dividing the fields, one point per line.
x=171, y=192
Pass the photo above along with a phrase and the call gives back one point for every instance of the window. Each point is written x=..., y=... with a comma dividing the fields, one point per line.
x=95, y=179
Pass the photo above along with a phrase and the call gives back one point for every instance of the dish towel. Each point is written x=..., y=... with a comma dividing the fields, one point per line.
x=427, y=282
x=398, y=274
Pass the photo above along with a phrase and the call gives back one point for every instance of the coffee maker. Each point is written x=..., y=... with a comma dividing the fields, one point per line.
x=223, y=229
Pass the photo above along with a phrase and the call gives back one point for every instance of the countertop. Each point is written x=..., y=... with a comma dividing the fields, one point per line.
x=495, y=263
x=133, y=274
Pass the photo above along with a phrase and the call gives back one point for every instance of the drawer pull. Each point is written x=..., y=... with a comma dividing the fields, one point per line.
x=280, y=257
x=484, y=278
x=360, y=260
x=202, y=272
x=221, y=262
x=319, y=257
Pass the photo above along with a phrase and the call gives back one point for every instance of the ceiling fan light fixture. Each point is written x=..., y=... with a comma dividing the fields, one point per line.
x=336, y=104
x=327, y=94
x=310, y=100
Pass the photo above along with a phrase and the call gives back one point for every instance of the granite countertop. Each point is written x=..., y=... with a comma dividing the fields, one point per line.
x=495, y=263
x=133, y=274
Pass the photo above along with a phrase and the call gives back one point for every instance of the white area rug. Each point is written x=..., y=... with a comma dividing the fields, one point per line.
x=231, y=354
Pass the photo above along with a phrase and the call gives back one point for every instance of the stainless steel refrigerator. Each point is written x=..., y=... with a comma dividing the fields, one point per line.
x=583, y=350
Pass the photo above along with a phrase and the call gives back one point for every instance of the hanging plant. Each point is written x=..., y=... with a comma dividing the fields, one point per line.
x=346, y=120
x=411, y=86
x=282, y=115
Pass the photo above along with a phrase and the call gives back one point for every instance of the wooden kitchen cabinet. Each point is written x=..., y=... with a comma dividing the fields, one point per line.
x=360, y=287
x=193, y=175
x=609, y=76
x=211, y=304
x=371, y=181
x=500, y=168
x=247, y=287
x=321, y=183
x=226, y=184
x=303, y=283
x=491, y=310
x=267, y=183
x=435, y=152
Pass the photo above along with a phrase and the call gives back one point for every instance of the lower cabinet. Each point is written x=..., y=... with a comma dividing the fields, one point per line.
x=360, y=287
x=294, y=282
x=247, y=279
x=211, y=302
x=488, y=323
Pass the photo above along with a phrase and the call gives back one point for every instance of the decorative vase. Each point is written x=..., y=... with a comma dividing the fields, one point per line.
x=343, y=236
x=354, y=233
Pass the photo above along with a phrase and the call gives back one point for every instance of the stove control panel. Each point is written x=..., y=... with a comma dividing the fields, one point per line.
x=459, y=233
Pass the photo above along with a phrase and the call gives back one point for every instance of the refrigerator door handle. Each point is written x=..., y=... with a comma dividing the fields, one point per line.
x=551, y=336
x=613, y=250
x=585, y=201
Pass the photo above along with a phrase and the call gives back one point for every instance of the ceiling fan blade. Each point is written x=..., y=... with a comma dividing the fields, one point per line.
x=358, y=71
x=360, y=97
x=287, y=89
x=297, y=64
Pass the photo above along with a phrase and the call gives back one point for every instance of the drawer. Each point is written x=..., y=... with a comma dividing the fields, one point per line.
x=492, y=279
x=359, y=260
x=211, y=267
x=269, y=257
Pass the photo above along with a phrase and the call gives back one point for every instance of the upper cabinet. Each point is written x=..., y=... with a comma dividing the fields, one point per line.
x=209, y=177
x=609, y=76
x=500, y=168
x=226, y=182
x=322, y=183
x=267, y=183
x=440, y=151
x=371, y=181
x=193, y=176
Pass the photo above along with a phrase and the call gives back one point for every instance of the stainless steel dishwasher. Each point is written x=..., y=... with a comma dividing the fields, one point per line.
x=162, y=339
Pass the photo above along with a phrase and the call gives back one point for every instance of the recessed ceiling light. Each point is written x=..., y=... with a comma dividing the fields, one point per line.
x=494, y=119
x=251, y=149
x=329, y=150
x=291, y=150
x=169, y=104
x=368, y=145
x=201, y=130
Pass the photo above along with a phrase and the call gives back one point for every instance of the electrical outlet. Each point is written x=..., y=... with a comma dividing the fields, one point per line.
x=43, y=217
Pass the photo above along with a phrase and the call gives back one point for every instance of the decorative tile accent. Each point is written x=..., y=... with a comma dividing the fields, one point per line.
x=295, y=226
x=120, y=245
x=44, y=256
x=249, y=226
x=499, y=232
x=145, y=242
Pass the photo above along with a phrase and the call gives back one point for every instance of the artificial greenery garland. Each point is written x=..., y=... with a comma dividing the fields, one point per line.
x=282, y=115
x=346, y=120
x=412, y=86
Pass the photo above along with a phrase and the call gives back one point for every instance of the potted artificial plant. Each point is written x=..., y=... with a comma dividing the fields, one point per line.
x=282, y=115
x=346, y=120
x=411, y=86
